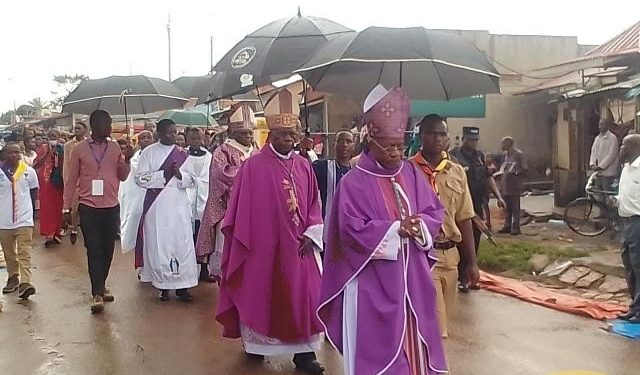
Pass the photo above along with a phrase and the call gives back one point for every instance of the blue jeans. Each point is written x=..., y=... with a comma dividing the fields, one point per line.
x=631, y=258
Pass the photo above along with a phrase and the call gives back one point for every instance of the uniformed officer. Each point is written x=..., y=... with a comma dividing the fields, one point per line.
x=480, y=180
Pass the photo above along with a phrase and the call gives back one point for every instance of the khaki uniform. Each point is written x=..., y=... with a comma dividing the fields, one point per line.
x=453, y=191
x=16, y=245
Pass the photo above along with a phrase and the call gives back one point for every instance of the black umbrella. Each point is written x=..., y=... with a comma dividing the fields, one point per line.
x=272, y=52
x=195, y=86
x=428, y=64
x=214, y=90
x=122, y=95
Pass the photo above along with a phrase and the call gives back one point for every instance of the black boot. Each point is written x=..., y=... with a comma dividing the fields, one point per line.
x=307, y=363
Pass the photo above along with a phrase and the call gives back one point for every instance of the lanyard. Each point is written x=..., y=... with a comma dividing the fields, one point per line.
x=95, y=157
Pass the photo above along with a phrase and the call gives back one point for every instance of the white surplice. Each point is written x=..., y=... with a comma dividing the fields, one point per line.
x=131, y=197
x=199, y=193
x=169, y=253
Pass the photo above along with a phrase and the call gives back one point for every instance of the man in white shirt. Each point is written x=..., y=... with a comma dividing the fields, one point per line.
x=605, y=155
x=18, y=184
x=629, y=210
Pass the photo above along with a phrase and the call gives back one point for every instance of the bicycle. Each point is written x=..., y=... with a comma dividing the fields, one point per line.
x=589, y=216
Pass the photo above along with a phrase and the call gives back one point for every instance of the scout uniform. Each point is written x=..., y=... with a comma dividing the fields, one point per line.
x=449, y=181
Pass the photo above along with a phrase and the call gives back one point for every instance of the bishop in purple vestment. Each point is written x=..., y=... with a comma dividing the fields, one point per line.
x=377, y=298
x=273, y=230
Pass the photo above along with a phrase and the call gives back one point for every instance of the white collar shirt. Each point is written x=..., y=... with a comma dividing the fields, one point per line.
x=18, y=213
x=629, y=190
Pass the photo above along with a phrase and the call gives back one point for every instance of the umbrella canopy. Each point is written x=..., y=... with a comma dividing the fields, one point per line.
x=195, y=86
x=429, y=65
x=273, y=52
x=141, y=95
x=189, y=118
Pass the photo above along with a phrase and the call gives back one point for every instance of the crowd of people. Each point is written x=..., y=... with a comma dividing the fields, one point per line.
x=299, y=247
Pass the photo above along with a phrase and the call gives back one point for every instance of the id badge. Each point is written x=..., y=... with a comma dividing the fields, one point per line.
x=97, y=188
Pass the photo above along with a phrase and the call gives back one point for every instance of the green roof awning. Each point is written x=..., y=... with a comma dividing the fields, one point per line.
x=471, y=107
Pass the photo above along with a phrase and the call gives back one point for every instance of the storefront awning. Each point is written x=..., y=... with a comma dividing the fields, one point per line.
x=472, y=107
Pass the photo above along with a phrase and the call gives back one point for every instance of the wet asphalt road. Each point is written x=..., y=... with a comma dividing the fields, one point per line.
x=54, y=333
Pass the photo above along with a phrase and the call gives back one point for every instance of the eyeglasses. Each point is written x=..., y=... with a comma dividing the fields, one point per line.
x=390, y=148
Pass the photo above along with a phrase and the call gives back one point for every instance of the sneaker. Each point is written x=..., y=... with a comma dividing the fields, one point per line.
x=25, y=290
x=97, y=305
x=108, y=296
x=12, y=285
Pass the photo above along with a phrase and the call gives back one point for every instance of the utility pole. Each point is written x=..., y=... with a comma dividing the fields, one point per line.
x=169, y=39
x=211, y=55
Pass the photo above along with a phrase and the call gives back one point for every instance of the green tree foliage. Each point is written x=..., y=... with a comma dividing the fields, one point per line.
x=7, y=117
x=66, y=83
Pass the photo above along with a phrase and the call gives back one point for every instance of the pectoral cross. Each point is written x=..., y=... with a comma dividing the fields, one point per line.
x=292, y=201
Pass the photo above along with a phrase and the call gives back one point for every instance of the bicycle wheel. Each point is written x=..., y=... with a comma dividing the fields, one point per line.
x=525, y=218
x=586, y=217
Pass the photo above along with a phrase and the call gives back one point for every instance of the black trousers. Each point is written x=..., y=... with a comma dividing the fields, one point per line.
x=99, y=230
x=631, y=259
x=512, y=215
x=477, y=235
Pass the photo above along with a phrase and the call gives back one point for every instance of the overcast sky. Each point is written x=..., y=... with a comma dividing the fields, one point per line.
x=42, y=38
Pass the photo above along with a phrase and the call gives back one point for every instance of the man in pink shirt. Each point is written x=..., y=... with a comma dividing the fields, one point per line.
x=96, y=167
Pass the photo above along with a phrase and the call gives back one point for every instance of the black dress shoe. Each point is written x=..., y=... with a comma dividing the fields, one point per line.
x=634, y=319
x=505, y=231
x=183, y=295
x=628, y=315
x=254, y=357
x=312, y=368
x=164, y=295
x=73, y=237
x=516, y=233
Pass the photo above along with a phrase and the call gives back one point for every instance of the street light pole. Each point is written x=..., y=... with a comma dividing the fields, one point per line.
x=169, y=39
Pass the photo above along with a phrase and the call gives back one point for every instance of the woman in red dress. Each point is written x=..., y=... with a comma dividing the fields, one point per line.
x=48, y=166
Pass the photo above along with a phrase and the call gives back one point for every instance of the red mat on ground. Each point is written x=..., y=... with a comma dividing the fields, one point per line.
x=530, y=292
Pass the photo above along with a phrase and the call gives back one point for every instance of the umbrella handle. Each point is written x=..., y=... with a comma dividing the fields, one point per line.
x=259, y=97
x=306, y=109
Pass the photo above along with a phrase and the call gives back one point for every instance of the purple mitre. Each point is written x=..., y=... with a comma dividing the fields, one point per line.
x=386, y=112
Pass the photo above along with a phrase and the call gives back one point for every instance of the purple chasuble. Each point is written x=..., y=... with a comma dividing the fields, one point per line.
x=364, y=209
x=173, y=162
x=265, y=285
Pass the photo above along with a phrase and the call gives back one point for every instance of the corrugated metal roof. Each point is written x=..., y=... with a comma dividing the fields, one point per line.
x=625, y=85
x=626, y=41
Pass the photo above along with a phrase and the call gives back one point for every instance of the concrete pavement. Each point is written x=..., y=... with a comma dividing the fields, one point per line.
x=54, y=333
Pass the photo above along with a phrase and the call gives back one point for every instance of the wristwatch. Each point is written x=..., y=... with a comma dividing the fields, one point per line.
x=66, y=211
